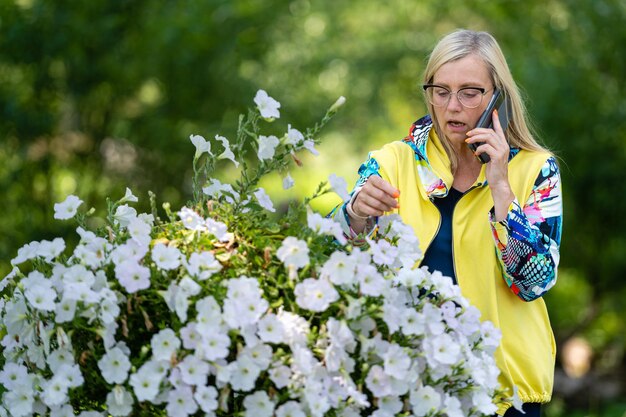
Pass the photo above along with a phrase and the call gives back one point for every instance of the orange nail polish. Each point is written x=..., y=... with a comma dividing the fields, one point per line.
x=396, y=194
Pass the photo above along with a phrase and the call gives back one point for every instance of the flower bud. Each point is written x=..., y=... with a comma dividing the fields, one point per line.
x=337, y=104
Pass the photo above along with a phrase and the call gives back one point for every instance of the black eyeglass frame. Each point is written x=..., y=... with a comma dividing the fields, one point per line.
x=483, y=91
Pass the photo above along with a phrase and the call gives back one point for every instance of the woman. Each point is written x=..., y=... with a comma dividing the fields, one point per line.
x=495, y=228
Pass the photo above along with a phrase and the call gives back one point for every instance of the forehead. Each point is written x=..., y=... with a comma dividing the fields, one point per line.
x=469, y=70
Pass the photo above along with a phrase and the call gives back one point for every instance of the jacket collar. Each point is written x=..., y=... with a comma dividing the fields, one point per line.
x=433, y=164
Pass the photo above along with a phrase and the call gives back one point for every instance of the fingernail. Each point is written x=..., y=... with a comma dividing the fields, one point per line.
x=466, y=140
x=496, y=111
x=396, y=194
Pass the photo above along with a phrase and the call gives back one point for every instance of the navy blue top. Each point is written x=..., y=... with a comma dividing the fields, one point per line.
x=438, y=256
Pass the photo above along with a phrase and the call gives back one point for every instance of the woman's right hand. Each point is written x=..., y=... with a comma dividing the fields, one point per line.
x=376, y=197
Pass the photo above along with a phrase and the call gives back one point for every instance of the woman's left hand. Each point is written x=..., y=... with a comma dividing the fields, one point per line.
x=497, y=170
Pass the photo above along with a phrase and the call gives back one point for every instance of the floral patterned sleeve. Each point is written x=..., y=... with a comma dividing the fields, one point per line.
x=527, y=241
x=339, y=213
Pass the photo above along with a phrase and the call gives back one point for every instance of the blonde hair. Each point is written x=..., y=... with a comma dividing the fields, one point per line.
x=458, y=45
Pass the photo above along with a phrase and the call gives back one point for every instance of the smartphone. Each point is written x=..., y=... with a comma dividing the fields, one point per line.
x=499, y=101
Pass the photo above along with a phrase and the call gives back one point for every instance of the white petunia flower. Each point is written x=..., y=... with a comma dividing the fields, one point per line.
x=119, y=402
x=412, y=322
x=517, y=401
x=67, y=208
x=280, y=376
x=19, y=401
x=191, y=220
x=339, y=186
x=293, y=252
x=109, y=309
x=316, y=222
x=26, y=252
x=217, y=229
x=244, y=310
x=206, y=397
x=64, y=411
x=216, y=190
x=340, y=334
x=267, y=147
x=13, y=375
x=396, y=362
x=164, y=344
x=325, y=226
x=90, y=414
x=452, y=407
x=315, y=294
x=132, y=276
x=288, y=182
x=383, y=252
x=371, y=281
x=114, y=366
x=425, y=400
x=294, y=136
x=260, y=354
x=201, y=144
x=129, y=197
x=190, y=336
x=483, y=402
x=270, y=329
x=243, y=374
x=124, y=214
x=392, y=405
x=442, y=349
x=491, y=336
x=340, y=269
x=56, y=359
x=180, y=402
x=202, y=265
x=70, y=375
x=215, y=345
x=166, y=257
x=49, y=250
x=227, y=154
x=139, y=230
x=193, y=370
x=147, y=380
x=296, y=327
x=264, y=200
x=378, y=382
x=290, y=409
x=309, y=145
x=258, y=405
x=268, y=107
x=41, y=296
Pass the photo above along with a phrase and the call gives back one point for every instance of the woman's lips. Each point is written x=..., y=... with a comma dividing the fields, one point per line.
x=456, y=126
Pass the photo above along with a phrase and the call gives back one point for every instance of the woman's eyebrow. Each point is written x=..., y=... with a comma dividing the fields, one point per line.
x=463, y=85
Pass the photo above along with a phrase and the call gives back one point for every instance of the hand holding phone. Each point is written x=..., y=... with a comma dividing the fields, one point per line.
x=499, y=101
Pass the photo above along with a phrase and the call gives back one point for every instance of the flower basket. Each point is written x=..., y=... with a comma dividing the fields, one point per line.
x=220, y=309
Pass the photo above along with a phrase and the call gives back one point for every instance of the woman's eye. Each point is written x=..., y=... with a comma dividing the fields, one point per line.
x=470, y=93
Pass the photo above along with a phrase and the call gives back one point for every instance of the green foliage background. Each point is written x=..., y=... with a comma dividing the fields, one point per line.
x=99, y=95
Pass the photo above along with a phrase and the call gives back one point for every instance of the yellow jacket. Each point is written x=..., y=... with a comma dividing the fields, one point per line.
x=502, y=268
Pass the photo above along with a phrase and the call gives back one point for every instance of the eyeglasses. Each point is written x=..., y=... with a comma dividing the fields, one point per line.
x=469, y=97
